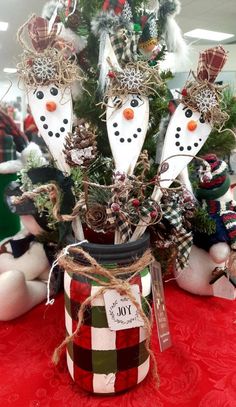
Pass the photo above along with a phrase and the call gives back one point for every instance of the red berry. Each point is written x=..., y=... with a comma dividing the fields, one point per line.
x=153, y=214
x=136, y=202
x=115, y=207
x=184, y=92
x=111, y=74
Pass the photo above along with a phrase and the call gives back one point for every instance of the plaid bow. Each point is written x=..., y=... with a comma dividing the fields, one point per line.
x=124, y=44
x=121, y=220
x=38, y=32
x=116, y=5
x=182, y=238
x=211, y=62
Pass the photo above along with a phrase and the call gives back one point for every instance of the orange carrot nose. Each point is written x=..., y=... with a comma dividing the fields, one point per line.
x=51, y=106
x=192, y=125
x=128, y=113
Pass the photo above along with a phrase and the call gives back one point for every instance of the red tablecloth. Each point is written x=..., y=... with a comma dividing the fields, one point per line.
x=198, y=371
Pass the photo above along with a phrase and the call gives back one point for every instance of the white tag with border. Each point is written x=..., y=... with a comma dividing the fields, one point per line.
x=163, y=330
x=121, y=312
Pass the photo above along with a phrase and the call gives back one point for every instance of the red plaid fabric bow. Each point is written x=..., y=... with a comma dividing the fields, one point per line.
x=116, y=5
x=211, y=62
x=38, y=32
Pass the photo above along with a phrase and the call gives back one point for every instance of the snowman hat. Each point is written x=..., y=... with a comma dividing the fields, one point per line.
x=202, y=94
x=47, y=58
x=219, y=183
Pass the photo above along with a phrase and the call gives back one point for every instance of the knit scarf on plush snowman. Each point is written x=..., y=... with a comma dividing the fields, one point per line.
x=227, y=213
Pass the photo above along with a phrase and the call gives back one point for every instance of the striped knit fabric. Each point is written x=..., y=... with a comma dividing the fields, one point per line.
x=101, y=360
x=229, y=220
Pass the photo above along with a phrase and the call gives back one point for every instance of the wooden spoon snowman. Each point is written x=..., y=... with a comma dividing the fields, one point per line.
x=191, y=122
x=127, y=115
x=48, y=71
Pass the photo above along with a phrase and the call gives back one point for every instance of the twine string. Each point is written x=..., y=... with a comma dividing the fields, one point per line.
x=64, y=252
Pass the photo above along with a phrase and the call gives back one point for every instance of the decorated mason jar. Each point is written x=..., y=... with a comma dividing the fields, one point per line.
x=103, y=358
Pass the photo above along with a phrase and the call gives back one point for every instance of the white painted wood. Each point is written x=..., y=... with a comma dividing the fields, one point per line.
x=126, y=137
x=53, y=125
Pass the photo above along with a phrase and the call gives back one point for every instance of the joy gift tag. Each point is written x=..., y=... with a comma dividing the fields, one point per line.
x=121, y=312
x=160, y=307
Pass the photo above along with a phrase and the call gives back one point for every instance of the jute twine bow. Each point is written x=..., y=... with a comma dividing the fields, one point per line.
x=97, y=273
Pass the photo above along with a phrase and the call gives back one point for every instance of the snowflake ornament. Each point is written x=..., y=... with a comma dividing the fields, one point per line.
x=131, y=79
x=44, y=68
x=206, y=100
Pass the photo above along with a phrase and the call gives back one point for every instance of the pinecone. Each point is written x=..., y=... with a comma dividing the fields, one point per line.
x=81, y=146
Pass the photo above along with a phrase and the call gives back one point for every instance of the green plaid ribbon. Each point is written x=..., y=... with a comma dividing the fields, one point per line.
x=124, y=44
x=182, y=238
x=121, y=220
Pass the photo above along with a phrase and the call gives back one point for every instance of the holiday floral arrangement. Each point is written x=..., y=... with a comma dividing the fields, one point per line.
x=99, y=205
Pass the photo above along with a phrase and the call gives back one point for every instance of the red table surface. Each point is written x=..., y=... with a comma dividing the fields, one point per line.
x=199, y=370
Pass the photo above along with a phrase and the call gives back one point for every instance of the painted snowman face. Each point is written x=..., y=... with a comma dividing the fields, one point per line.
x=51, y=108
x=127, y=127
x=186, y=134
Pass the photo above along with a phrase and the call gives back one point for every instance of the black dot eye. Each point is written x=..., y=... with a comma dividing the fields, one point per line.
x=39, y=94
x=117, y=103
x=202, y=120
x=134, y=103
x=188, y=113
x=54, y=91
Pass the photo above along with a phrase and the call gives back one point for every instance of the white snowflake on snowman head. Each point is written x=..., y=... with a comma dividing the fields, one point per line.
x=206, y=100
x=44, y=68
x=131, y=79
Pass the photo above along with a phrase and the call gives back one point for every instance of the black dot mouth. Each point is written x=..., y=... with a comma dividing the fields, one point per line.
x=51, y=133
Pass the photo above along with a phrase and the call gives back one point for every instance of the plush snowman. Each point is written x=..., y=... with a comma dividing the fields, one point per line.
x=24, y=263
x=211, y=251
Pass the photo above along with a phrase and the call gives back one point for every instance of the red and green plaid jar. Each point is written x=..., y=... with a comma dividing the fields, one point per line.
x=98, y=359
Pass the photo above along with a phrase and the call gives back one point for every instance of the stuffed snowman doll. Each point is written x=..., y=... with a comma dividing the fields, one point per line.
x=24, y=263
x=212, y=252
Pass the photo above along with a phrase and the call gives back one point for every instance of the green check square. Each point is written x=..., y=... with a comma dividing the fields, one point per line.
x=104, y=361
